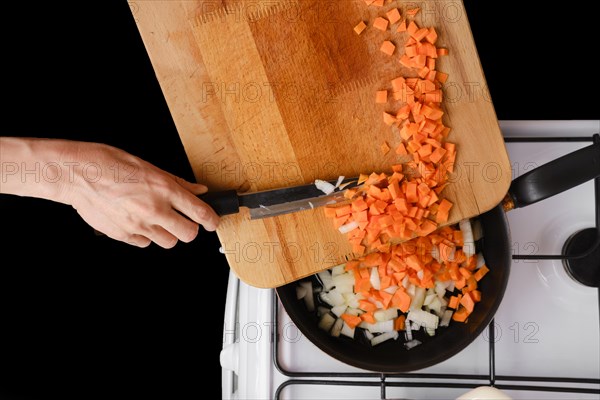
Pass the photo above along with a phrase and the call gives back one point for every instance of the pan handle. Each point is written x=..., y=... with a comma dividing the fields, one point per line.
x=555, y=177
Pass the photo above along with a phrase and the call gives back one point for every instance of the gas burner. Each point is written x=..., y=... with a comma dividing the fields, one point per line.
x=585, y=270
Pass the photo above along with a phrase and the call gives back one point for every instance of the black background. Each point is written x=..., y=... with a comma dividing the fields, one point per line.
x=82, y=315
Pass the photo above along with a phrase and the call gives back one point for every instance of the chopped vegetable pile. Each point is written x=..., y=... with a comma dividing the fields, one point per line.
x=423, y=283
x=408, y=202
x=432, y=277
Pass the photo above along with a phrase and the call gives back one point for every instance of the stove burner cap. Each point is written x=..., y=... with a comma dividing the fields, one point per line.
x=584, y=270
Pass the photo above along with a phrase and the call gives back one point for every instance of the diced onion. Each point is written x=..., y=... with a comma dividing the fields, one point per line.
x=375, y=281
x=423, y=318
x=378, y=327
x=408, y=330
x=446, y=318
x=350, y=226
x=347, y=331
x=383, y=337
x=308, y=298
x=339, y=310
x=480, y=261
x=322, y=311
x=333, y=298
x=468, y=241
x=336, y=329
x=300, y=292
x=386, y=315
x=338, y=270
x=418, y=299
x=326, y=279
x=412, y=343
x=343, y=280
x=326, y=322
x=324, y=186
x=339, y=181
x=477, y=229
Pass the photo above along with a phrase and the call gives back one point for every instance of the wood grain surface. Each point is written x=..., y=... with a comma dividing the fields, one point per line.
x=276, y=93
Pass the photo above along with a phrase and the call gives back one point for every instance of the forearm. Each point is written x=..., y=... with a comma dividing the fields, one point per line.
x=33, y=167
x=116, y=192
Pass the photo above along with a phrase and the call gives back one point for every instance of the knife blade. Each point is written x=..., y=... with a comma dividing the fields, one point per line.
x=270, y=203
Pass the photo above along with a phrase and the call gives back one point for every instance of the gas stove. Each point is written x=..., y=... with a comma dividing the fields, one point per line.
x=542, y=344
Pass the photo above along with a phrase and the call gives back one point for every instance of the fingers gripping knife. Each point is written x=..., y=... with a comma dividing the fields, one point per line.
x=270, y=203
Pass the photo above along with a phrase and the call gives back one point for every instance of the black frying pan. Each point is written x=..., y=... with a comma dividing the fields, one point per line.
x=391, y=356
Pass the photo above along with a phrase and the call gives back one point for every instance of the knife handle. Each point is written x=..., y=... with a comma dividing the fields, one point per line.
x=224, y=203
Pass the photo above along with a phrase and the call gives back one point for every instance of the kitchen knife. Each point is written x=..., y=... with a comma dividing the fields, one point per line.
x=270, y=203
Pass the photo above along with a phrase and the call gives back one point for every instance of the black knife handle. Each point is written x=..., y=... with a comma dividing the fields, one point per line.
x=224, y=203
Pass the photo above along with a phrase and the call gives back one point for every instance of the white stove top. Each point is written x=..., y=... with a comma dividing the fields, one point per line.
x=546, y=326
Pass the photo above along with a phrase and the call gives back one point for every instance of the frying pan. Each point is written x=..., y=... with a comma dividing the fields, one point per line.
x=391, y=356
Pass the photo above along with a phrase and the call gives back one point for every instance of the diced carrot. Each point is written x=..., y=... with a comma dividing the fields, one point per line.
x=401, y=150
x=385, y=148
x=388, y=118
x=437, y=155
x=360, y=27
x=359, y=205
x=465, y=272
x=368, y=317
x=339, y=221
x=402, y=27
x=380, y=23
x=351, y=265
x=442, y=52
x=413, y=261
x=386, y=298
x=351, y=320
x=427, y=227
x=378, y=3
x=420, y=34
x=393, y=15
x=413, y=11
x=401, y=300
x=399, y=323
x=481, y=272
x=460, y=283
x=442, y=77
x=443, y=211
x=366, y=305
x=381, y=97
x=343, y=210
x=386, y=282
x=432, y=36
x=412, y=28
x=406, y=61
x=394, y=189
x=398, y=84
x=454, y=302
x=460, y=315
x=468, y=302
x=330, y=212
x=411, y=192
x=387, y=47
x=358, y=249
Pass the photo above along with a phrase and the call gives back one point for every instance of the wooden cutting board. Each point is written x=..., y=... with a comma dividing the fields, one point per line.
x=276, y=93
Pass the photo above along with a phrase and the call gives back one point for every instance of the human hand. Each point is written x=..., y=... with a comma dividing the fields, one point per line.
x=118, y=194
x=131, y=200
